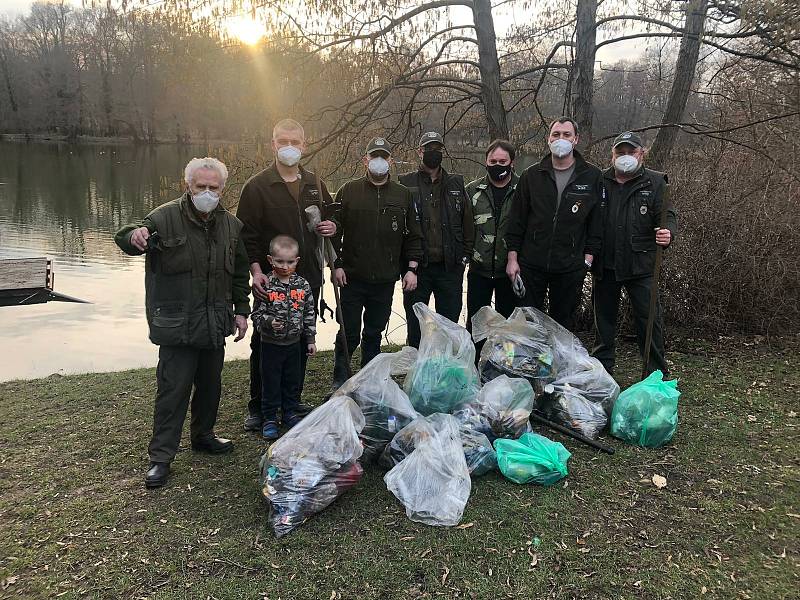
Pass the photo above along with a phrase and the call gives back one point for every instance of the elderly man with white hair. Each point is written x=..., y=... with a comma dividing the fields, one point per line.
x=196, y=294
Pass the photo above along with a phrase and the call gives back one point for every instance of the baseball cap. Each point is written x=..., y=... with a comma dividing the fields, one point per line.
x=628, y=137
x=379, y=144
x=430, y=137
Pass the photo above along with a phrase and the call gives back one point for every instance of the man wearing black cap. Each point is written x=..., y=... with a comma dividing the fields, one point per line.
x=555, y=227
x=441, y=203
x=378, y=235
x=633, y=198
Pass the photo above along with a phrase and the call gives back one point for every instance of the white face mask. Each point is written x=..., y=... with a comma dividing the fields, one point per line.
x=205, y=201
x=560, y=147
x=289, y=155
x=378, y=166
x=626, y=164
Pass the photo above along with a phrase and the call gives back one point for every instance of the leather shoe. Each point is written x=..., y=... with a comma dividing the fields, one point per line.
x=213, y=445
x=157, y=475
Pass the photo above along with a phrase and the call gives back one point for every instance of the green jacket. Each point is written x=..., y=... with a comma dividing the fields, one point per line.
x=196, y=277
x=489, y=254
x=379, y=231
x=638, y=215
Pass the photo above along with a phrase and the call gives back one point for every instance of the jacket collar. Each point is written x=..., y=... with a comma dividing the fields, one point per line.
x=546, y=164
x=273, y=278
x=443, y=175
x=272, y=176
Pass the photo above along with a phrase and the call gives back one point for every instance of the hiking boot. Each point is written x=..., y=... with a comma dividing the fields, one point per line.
x=270, y=430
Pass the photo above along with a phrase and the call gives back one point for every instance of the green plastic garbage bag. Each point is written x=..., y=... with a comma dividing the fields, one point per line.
x=532, y=459
x=646, y=414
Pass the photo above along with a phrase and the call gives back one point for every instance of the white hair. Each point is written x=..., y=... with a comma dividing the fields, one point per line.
x=198, y=164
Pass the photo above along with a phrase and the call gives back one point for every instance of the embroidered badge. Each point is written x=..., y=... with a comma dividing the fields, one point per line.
x=643, y=210
x=575, y=208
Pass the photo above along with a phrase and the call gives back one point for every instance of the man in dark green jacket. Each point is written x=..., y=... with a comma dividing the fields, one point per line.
x=491, y=198
x=378, y=242
x=445, y=213
x=196, y=294
x=633, y=198
x=555, y=227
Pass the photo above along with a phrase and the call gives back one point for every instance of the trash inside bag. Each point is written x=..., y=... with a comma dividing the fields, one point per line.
x=385, y=406
x=433, y=482
x=478, y=451
x=501, y=410
x=532, y=459
x=568, y=406
x=515, y=347
x=444, y=375
x=646, y=414
x=581, y=400
x=312, y=464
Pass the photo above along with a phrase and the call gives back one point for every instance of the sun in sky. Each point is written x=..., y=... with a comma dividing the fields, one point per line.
x=246, y=30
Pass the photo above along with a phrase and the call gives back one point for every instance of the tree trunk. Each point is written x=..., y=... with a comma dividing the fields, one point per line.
x=583, y=69
x=490, y=69
x=682, y=83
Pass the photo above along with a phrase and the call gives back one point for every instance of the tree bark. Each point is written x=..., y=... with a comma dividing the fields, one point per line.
x=684, y=75
x=583, y=69
x=489, y=65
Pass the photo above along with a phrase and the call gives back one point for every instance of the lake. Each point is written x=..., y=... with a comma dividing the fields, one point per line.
x=66, y=201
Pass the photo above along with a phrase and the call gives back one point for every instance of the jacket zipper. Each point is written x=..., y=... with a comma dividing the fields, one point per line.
x=558, y=208
x=377, y=220
x=496, y=227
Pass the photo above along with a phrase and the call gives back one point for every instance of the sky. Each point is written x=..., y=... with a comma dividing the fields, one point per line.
x=503, y=21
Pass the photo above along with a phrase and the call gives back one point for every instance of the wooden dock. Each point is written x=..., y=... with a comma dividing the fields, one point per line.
x=28, y=281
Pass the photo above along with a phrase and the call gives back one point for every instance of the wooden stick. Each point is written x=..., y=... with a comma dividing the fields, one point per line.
x=651, y=315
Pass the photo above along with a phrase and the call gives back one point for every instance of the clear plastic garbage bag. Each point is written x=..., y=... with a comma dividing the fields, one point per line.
x=433, y=482
x=385, y=406
x=312, y=464
x=444, y=374
x=478, y=451
x=514, y=347
x=501, y=410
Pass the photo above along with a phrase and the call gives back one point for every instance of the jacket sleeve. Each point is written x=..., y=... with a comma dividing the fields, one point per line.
x=250, y=213
x=309, y=317
x=468, y=224
x=662, y=198
x=261, y=320
x=123, y=237
x=412, y=241
x=518, y=215
x=339, y=218
x=241, y=281
x=594, y=223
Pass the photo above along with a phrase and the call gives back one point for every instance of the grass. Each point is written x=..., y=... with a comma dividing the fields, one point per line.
x=75, y=519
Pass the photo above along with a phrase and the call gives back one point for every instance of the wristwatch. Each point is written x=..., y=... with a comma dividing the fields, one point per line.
x=411, y=270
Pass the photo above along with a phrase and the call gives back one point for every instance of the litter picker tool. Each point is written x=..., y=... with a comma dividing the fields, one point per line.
x=651, y=315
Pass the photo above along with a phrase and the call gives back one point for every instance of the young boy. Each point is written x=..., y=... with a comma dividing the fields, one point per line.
x=285, y=318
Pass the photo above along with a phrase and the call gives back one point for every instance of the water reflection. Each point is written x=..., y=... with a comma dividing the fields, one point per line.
x=66, y=201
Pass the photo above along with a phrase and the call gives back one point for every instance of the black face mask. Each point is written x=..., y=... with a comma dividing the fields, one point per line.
x=498, y=172
x=432, y=158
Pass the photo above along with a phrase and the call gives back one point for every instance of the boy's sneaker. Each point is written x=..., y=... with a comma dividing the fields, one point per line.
x=270, y=430
x=290, y=419
x=252, y=423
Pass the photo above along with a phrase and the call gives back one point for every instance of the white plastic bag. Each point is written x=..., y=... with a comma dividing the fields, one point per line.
x=433, y=482
x=385, y=406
